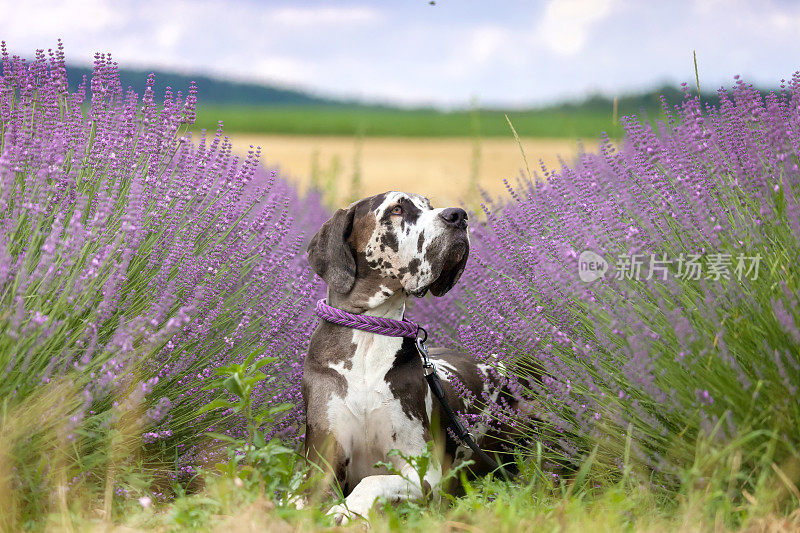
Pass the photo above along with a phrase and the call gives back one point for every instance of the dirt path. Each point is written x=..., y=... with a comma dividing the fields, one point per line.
x=438, y=168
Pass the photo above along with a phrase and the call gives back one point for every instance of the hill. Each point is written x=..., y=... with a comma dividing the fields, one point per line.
x=212, y=90
x=261, y=108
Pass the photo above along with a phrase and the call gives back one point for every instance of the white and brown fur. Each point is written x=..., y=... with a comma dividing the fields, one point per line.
x=365, y=394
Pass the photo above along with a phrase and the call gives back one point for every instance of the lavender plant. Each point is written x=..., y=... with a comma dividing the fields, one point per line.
x=681, y=358
x=134, y=261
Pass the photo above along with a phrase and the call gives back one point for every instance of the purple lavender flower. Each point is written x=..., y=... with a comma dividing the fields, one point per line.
x=669, y=356
x=134, y=258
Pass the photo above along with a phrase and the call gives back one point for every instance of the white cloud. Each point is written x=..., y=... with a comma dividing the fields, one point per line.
x=41, y=22
x=168, y=35
x=784, y=22
x=709, y=7
x=566, y=24
x=487, y=41
x=283, y=69
x=417, y=53
x=42, y=18
x=327, y=16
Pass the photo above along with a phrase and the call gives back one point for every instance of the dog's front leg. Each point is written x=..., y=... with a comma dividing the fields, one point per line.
x=390, y=487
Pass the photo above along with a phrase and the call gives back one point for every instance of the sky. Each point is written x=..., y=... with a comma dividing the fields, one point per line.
x=410, y=52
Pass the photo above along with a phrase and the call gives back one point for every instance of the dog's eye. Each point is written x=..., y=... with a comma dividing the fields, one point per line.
x=397, y=210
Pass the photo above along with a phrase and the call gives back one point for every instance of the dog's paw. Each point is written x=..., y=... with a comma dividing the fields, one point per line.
x=343, y=515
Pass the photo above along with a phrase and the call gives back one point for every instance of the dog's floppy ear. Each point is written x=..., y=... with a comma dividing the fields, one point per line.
x=330, y=255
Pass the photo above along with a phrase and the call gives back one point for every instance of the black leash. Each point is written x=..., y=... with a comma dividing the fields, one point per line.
x=455, y=423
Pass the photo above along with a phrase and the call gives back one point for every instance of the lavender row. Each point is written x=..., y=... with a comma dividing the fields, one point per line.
x=651, y=364
x=134, y=259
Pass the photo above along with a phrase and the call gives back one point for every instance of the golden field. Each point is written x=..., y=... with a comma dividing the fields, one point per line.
x=440, y=168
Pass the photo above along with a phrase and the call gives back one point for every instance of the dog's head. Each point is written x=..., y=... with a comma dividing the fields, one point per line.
x=389, y=243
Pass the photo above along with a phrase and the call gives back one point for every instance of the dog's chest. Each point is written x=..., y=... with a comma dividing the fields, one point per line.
x=368, y=420
x=368, y=391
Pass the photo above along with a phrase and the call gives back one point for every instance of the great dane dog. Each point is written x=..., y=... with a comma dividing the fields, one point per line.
x=364, y=393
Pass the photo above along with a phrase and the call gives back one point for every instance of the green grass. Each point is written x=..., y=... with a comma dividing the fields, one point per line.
x=380, y=122
x=487, y=505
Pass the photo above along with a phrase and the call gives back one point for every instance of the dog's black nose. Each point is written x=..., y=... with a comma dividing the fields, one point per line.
x=455, y=216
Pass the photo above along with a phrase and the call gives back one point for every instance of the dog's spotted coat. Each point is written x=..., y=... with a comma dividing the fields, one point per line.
x=364, y=393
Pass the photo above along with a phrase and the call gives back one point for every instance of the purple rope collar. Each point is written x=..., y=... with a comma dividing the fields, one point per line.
x=373, y=324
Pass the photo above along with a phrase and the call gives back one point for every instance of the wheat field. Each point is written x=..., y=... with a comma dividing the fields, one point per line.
x=446, y=170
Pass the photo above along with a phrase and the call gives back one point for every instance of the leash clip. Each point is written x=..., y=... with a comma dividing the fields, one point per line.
x=428, y=367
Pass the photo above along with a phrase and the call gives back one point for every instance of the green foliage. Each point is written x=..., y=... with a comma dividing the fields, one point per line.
x=536, y=501
x=422, y=464
x=254, y=461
